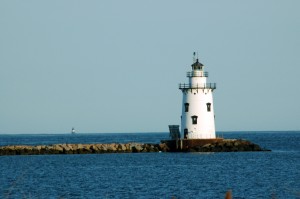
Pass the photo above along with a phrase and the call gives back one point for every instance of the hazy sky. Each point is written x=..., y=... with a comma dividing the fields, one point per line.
x=115, y=66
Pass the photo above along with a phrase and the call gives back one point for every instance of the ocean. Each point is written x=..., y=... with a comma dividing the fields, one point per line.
x=272, y=174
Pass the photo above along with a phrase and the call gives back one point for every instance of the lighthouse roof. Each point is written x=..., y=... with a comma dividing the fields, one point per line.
x=197, y=65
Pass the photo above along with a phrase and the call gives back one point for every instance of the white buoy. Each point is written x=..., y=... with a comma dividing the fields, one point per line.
x=197, y=119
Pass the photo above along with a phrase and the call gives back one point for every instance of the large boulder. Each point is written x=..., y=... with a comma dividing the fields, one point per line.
x=111, y=148
x=121, y=148
x=163, y=147
x=58, y=148
x=128, y=147
x=137, y=148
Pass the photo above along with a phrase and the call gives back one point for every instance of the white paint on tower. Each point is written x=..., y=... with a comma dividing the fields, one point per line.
x=197, y=119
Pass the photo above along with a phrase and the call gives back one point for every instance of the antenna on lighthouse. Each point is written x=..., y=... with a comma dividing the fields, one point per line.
x=194, y=57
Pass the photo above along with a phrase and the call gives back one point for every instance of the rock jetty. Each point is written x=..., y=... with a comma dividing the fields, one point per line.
x=82, y=149
x=218, y=146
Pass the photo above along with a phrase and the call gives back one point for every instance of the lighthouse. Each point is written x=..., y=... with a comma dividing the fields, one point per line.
x=198, y=118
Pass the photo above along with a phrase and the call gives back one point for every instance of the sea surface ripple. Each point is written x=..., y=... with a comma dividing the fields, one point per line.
x=153, y=175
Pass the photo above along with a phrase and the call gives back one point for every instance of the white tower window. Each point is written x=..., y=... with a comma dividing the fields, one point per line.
x=208, y=107
x=186, y=107
x=194, y=119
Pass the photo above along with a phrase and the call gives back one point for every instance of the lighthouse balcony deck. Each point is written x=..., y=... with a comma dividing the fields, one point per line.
x=198, y=86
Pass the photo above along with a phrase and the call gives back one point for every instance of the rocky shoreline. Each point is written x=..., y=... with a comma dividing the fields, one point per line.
x=219, y=146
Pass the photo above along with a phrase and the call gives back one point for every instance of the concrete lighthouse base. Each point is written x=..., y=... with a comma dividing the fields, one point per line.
x=211, y=145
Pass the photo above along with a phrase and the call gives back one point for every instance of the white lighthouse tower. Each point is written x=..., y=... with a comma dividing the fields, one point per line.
x=198, y=118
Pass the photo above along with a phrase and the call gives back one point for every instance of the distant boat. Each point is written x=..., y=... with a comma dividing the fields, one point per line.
x=73, y=130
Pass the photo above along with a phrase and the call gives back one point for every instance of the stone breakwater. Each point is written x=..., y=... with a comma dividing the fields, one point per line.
x=218, y=146
x=81, y=149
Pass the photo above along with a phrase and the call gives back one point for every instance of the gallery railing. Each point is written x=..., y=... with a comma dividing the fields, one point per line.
x=198, y=86
x=197, y=74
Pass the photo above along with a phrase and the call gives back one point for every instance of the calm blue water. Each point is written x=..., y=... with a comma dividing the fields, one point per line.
x=153, y=175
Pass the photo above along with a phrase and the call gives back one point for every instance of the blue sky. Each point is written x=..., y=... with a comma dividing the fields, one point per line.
x=114, y=66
